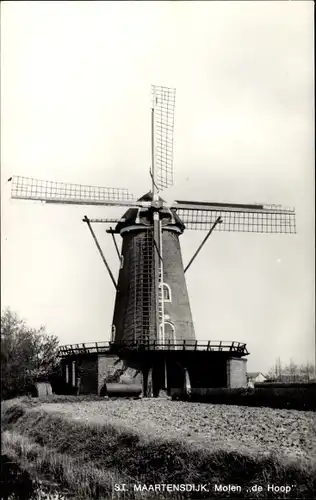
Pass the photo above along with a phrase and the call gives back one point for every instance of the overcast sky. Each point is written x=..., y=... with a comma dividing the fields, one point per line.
x=75, y=106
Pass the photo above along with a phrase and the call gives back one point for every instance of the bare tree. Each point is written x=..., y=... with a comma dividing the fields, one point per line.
x=291, y=372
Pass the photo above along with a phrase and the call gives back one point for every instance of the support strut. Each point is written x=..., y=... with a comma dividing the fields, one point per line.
x=218, y=221
x=115, y=244
x=85, y=219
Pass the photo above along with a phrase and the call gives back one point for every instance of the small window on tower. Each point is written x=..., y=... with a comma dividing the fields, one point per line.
x=122, y=261
x=166, y=293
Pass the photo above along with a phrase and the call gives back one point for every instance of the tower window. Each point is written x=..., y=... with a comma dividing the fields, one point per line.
x=122, y=261
x=166, y=293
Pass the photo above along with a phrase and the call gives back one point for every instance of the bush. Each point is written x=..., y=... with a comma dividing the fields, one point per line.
x=292, y=396
x=28, y=355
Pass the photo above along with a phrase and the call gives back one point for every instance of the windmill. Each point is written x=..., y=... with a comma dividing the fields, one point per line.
x=152, y=310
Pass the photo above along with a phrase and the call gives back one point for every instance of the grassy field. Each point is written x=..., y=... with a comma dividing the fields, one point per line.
x=91, y=445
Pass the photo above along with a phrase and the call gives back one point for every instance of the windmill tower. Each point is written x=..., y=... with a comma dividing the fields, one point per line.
x=152, y=309
x=152, y=303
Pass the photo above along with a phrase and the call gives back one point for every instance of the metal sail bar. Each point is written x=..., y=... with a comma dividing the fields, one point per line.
x=268, y=219
x=164, y=100
x=231, y=207
x=239, y=218
x=26, y=188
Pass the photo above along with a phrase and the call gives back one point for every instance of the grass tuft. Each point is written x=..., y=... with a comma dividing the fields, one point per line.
x=13, y=414
x=86, y=480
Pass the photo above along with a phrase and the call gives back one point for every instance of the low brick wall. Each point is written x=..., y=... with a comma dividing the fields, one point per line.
x=236, y=373
x=206, y=370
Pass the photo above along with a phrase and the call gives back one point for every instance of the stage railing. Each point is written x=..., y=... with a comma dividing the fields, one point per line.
x=186, y=345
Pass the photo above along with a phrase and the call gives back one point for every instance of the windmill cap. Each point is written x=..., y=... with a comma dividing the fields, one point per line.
x=143, y=216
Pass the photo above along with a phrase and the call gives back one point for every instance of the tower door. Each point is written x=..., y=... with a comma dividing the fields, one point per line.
x=170, y=336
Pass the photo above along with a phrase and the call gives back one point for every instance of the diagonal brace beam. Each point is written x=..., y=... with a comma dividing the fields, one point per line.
x=218, y=221
x=115, y=244
x=85, y=219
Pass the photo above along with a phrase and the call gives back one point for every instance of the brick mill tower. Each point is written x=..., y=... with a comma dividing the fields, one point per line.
x=152, y=324
x=134, y=320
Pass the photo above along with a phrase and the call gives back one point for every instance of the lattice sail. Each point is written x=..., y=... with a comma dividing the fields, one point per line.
x=164, y=100
x=26, y=188
x=274, y=221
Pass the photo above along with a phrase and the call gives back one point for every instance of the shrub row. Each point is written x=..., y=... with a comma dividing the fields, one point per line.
x=289, y=397
x=286, y=384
